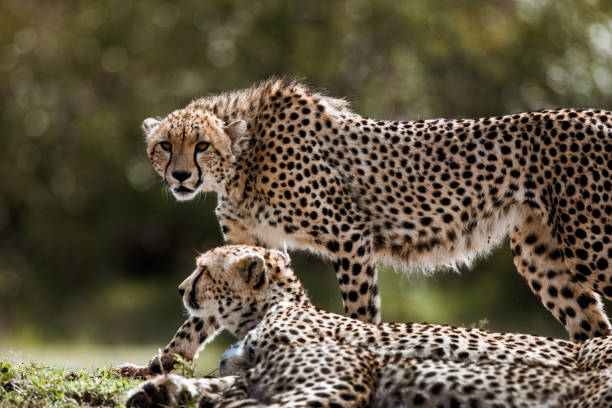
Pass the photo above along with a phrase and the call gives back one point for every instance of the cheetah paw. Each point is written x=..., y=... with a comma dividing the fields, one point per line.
x=151, y=369
x=134, y=371
x=161, y=391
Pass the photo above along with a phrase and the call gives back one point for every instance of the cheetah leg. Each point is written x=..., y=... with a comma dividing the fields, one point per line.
x=187, y=343
x=357, y=275
x=234, y=231
x=594, y=354
x=234, y=391
x=588, y=253
x=539, y=258
x=173, y=390
x=275, y=387
x=238, y=396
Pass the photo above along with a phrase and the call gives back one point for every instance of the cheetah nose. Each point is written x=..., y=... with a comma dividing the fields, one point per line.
x=181, y=291
x=181, y=175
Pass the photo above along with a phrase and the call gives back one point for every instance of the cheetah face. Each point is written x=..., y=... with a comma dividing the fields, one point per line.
x=191, y=150
x=225, y=281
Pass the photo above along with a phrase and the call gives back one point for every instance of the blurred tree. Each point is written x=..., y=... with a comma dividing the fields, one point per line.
x=89, y=241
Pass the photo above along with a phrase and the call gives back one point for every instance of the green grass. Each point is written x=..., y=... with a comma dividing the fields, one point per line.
x=69, y=375
x=37, y=385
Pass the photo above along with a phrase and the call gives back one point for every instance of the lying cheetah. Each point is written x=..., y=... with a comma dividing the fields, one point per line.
x=293, y=354
x=292, y=166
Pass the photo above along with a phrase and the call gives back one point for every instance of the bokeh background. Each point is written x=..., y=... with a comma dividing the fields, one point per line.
x=91, y=246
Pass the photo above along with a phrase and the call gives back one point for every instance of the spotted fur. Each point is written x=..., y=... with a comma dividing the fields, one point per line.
x=293, y=166
x=293, y=354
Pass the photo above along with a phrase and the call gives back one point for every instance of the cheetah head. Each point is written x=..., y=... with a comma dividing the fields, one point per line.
x=236, y=284
x=191, y=149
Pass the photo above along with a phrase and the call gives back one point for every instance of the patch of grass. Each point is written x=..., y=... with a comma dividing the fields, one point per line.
x=35, y=385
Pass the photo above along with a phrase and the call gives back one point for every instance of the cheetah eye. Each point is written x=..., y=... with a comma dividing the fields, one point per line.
x=167, y=146
x=202, y=146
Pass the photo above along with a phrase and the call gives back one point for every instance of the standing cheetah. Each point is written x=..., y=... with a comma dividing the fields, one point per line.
x=293, y=166
x=293, y=354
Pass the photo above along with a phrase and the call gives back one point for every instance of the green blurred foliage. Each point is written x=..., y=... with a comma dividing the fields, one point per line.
x=92, y=247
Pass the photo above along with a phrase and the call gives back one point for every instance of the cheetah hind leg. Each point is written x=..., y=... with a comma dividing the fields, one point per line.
x=539, y=258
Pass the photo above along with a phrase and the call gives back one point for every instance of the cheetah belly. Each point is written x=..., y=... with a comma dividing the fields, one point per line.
x=437, y=250
x=277, y=237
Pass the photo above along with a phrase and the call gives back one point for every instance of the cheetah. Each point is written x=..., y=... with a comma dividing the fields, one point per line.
x=292, y=166
x=293, y=354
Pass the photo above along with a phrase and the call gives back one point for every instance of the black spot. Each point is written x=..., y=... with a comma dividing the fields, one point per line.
x=602, y=264
x=585, y=300
x=517, y=250
x=468, y=389
x=333, y=246
x=540, y=249
x=583, y=269
x=425, y=221
x=556, y=254
x=436, y=388
x=580, y=337
x=585, y=325
x=347, y=397
x=582, y=254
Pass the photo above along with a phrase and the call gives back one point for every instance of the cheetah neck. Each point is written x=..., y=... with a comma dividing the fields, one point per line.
x=284, y=291
x=255, y=105
x=247, y=104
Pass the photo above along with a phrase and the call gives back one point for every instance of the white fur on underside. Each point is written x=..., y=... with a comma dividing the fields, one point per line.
x=447, y=255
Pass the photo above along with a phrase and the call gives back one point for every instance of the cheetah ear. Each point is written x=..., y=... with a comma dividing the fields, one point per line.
x=252, y=270
x=148, y=125
x=236, y=129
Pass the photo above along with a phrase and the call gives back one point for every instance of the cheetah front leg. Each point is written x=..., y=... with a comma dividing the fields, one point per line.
x=233, y=227
x=187, y=343
x=173, y=390
x=238, y=396
x=224, y=392
x=540, y=259
x=357, y=274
